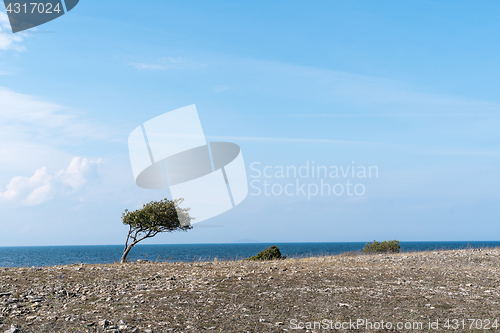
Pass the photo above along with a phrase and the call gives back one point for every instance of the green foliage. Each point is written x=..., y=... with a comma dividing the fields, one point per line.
x=159, y=216
x=154, y=217
x=268, y=254
x=385, y=246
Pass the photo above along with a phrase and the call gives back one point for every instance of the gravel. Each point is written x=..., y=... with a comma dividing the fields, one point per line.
x=245, y=296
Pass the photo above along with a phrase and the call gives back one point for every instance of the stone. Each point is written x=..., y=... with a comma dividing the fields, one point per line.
x=13, y=329
x=104, y=323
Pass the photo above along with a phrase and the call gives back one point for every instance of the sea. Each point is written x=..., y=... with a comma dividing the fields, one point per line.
x=29, y=256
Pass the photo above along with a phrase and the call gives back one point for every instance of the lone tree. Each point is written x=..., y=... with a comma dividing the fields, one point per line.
x=154, y=217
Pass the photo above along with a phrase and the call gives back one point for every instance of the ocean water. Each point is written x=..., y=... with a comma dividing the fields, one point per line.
x=27, y=256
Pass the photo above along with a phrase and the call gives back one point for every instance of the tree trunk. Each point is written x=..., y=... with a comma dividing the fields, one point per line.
x=127, y=249
x=125, y=253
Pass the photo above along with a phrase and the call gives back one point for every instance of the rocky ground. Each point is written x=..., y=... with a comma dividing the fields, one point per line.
x=316, y=294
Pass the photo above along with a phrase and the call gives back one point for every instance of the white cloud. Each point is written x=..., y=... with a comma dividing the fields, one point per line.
x=78, y=171
x=147, y=66
x=39, y=132
x=168, y=63
x=293, y=140
x=413, y=148
x=323, y=89
x=44, y=186
x=8, y=40
x=50, y=119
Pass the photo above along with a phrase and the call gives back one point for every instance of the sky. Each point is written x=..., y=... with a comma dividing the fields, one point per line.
x=407, y=88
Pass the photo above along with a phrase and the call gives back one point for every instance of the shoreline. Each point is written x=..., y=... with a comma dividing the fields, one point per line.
x=107, y=254
x=254, y=243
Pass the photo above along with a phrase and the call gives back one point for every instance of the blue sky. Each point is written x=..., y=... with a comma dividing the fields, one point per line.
x=410, y=87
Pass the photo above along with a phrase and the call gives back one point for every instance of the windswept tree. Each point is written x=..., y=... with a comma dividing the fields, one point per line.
x=154, y=217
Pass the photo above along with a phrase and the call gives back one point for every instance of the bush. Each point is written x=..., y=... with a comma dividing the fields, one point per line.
x=385, y=246
x=268, y=254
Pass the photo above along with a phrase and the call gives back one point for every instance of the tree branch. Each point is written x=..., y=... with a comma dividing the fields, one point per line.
x=128, y=236
x=140, y=239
